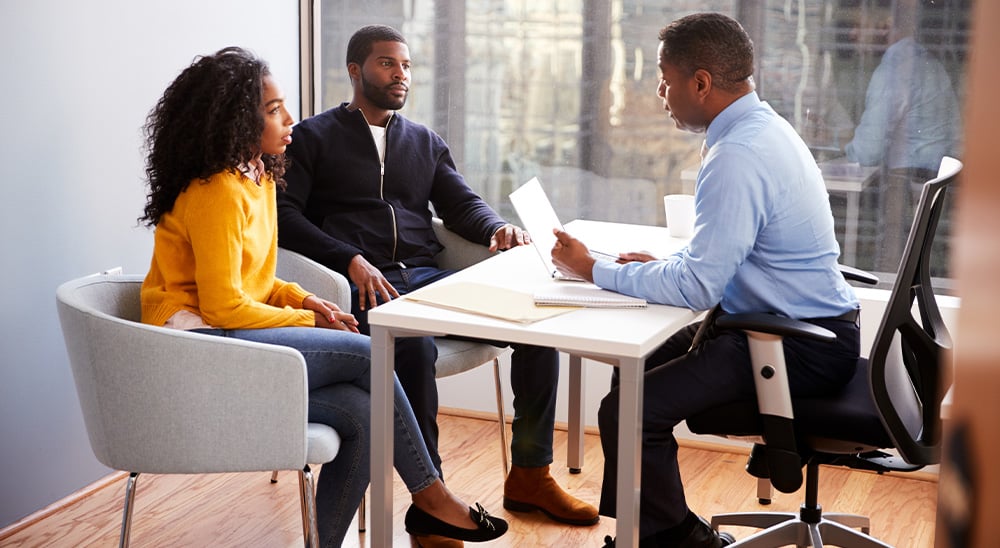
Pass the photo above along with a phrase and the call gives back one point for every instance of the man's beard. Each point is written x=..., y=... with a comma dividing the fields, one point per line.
x=380, y=96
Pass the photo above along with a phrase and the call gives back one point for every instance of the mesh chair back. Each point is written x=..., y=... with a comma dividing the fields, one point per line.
x=908, y=361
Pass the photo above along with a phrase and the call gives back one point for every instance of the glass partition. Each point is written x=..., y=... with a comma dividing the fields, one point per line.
x=565, y=90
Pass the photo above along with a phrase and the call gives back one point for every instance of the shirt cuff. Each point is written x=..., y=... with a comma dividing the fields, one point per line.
x=605, y=273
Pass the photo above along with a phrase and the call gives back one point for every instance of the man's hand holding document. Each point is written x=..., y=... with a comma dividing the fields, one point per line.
x=539, y=218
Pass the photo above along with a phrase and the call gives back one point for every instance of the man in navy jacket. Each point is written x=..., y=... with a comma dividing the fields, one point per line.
x=359, y=184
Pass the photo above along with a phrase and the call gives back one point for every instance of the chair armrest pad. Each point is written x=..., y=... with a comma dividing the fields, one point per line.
x=315, y=278
x=857, y=275
x=458, y=252
x=775, y=325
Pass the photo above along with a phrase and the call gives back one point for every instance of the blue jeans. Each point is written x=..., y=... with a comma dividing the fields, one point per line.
x=534, y=376
x=338, y=365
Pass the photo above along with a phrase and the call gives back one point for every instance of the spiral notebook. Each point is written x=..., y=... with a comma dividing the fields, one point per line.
x=584, y=295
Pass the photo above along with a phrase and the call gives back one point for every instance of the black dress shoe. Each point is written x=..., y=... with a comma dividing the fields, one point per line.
x=702, y=536
x=419, y=523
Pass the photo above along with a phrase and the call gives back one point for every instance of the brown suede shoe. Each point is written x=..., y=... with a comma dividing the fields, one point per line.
x=530, y=489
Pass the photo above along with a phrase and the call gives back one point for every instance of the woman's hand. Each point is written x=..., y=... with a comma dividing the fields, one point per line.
x=329, y=315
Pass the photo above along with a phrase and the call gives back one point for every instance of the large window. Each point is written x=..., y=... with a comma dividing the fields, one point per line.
x=565, y=90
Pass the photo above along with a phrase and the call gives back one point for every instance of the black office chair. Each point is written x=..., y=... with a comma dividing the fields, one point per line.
x=893, y=401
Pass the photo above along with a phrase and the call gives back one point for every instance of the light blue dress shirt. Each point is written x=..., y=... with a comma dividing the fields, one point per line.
x=763, y=239
x=911, y=117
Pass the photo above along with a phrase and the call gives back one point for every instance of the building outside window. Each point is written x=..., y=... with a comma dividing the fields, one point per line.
x=564, y=90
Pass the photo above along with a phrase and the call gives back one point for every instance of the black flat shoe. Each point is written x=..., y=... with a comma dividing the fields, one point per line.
x=420, y=523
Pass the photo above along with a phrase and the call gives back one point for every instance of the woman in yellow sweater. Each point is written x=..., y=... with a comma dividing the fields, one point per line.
x=216, y=143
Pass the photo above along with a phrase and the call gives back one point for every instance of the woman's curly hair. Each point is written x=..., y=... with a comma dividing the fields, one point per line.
x=209, y=120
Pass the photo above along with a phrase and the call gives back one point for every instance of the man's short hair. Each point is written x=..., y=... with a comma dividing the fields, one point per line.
x=713, y=42
x=360, y=46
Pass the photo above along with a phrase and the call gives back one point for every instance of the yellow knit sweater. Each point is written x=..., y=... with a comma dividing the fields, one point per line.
x=214, y=255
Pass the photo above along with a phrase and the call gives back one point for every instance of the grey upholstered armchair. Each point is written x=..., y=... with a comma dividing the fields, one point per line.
x=165, y=401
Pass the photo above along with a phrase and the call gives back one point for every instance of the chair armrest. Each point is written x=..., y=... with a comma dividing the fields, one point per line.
x=244, y=404
x=765, y=335
x=314, y=278
x=857, y=275
x=775, y=325
x=458, y=252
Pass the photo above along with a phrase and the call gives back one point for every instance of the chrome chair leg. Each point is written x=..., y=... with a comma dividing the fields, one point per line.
x=361, y=514
x=303, y=510
x=302, y=503
x=307, y=492
x=838, y=534
x=852, y=521
x=502, y=416
x=126, y=533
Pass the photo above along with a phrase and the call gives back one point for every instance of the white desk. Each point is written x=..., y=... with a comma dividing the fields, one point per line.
x=621, y=337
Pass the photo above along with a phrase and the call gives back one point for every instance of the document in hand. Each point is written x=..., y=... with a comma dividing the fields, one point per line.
x=585, y=295
x=539, y=218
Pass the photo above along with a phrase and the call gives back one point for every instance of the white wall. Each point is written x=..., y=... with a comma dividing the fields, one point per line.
x=466, y=391
x=78, y=79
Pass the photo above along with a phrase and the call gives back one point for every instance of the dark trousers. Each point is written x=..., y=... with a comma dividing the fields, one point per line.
x=534, y=376
x=679, y=384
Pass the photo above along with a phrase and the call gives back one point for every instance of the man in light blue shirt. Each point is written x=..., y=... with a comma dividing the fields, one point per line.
x=911, y=120
x=911, y=117
x=763, y=242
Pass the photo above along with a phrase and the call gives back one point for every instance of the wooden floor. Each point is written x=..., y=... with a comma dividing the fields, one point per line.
x=246, y=510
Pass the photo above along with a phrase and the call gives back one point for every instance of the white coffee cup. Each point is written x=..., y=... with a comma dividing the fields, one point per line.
x=679, y=209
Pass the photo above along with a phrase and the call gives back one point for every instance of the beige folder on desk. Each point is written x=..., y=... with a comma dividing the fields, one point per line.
x=487, y=300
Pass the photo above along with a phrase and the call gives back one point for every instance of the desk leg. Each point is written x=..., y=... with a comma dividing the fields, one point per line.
x=574, y=451
x=629, y=451
x=383, y=355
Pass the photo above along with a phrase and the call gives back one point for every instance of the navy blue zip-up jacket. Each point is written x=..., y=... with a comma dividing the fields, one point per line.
x=342, y=201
